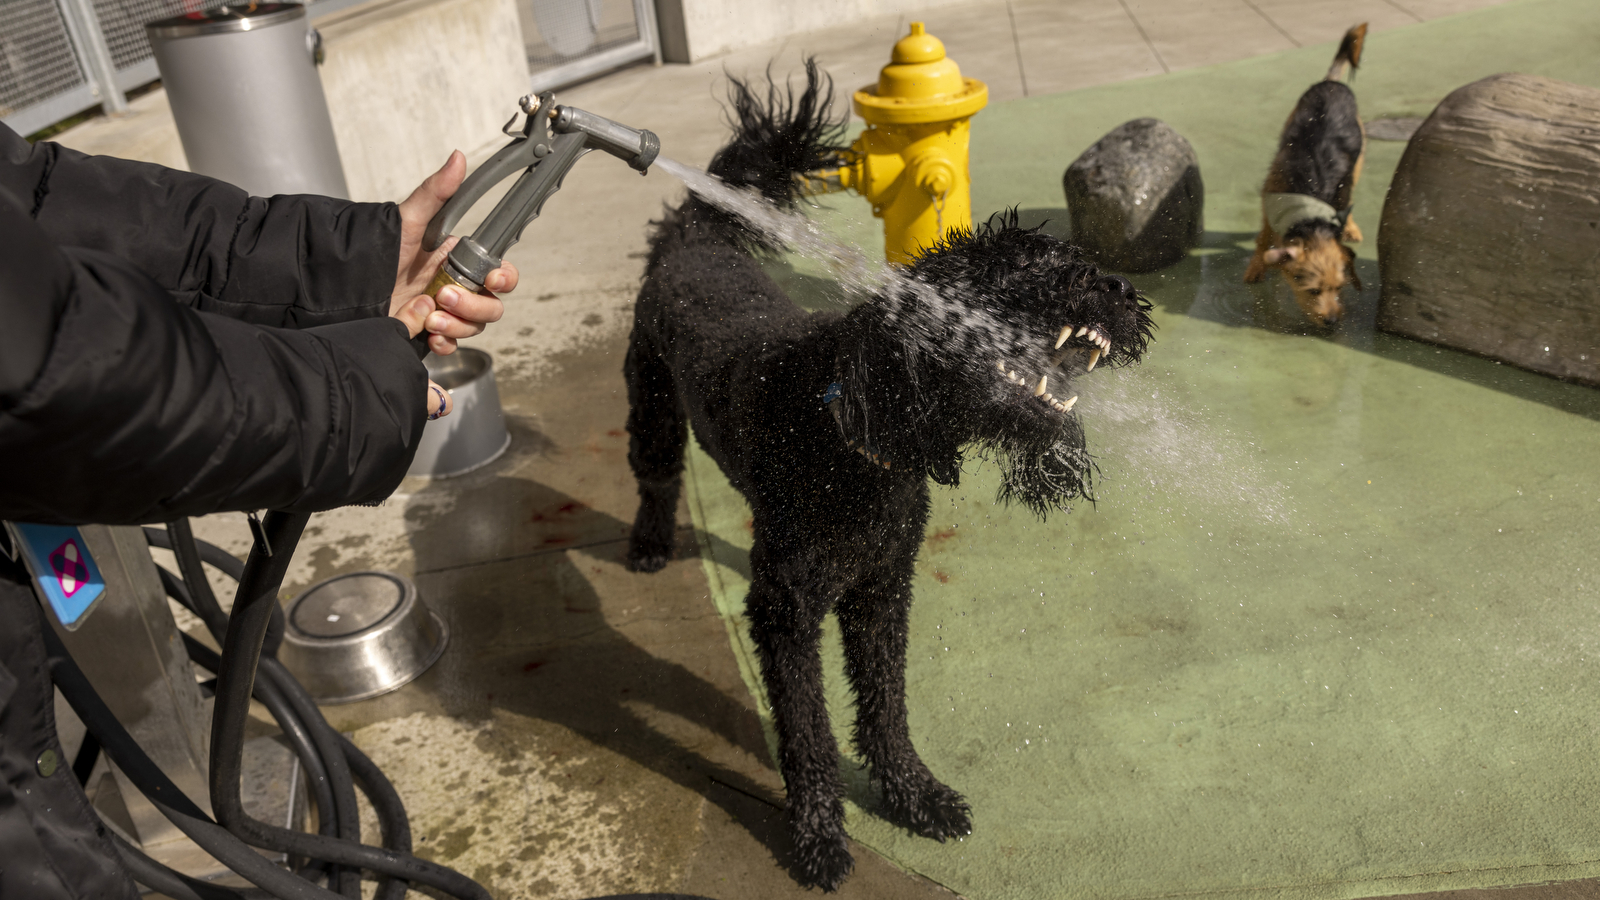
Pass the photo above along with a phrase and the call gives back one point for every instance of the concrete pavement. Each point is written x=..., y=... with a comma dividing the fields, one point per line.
x=588, y=732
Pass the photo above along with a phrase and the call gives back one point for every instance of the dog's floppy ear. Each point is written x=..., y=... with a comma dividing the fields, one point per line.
x=1277, y=256
x=1350, y=266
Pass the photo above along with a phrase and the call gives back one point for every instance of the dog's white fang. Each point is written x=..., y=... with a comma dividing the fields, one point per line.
x=1094, y=357
x=1066, y=332
x=1038, y=390
x=1069, y=404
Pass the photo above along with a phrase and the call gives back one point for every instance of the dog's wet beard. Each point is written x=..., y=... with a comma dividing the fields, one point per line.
x=1044, y=477
x=933, y=362
x=914, y=396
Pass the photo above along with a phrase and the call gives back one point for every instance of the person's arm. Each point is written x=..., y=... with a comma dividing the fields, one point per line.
x=119, y=406
x=290, y=261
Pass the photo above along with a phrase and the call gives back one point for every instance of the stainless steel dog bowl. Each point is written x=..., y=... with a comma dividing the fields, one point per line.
x=474, y=434
x=360, y=635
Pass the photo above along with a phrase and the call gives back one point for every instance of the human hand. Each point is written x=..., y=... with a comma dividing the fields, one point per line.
x=414, y=314
x=457, y=313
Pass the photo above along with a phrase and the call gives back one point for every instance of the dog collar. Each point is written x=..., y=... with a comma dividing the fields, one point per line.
x=1284, y=211
x=833, y=399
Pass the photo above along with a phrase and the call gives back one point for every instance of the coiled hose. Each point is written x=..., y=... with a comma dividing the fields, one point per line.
x=248, y=667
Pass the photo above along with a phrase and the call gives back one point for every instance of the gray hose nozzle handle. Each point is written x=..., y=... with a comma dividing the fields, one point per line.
x=550, y=144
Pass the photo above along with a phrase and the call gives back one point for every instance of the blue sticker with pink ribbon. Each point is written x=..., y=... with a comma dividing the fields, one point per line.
x=60, y=562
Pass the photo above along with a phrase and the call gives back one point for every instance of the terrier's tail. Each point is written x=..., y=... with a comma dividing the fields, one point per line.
x=1348, y=59
x=780, y=135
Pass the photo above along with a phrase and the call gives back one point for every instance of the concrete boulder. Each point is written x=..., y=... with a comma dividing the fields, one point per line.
x=1136, y=199
x=1490, y=238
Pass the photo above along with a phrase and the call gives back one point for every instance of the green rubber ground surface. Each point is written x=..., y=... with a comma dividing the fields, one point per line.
x=1333, y=627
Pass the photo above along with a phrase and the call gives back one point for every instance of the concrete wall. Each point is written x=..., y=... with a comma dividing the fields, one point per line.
x=693, y=30
x=410, y=80
x=407, y=81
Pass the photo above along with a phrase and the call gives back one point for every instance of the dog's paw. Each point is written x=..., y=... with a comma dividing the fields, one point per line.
x=823, y=862
x=647, y=560
x=933, y=811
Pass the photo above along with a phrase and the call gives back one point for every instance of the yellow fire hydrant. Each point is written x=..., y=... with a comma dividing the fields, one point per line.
x=911, y=161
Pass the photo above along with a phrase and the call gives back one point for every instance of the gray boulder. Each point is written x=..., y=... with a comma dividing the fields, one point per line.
x=1490, y=238
x=1136, y=199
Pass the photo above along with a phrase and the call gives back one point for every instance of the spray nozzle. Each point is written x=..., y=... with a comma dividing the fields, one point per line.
x=545, y=149
x=636, y=148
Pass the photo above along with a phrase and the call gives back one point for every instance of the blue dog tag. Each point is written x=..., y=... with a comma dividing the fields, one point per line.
x=66, y=574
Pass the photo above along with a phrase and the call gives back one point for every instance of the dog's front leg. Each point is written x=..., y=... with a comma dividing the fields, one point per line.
x=873, y=621
x=655, y=453
x=787, y=629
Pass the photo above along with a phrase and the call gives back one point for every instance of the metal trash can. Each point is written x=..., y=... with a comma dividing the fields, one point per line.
x=243, y=85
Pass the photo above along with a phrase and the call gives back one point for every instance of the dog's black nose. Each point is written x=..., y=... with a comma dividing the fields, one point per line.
x=1116, y=284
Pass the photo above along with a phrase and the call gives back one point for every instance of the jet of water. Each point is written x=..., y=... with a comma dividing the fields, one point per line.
x=858, y=275
x=1171, y=447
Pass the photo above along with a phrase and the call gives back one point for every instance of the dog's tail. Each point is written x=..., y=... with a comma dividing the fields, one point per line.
x=1348, y=59
x=779, y=135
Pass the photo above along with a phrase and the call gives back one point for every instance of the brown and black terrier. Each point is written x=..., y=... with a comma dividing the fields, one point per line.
x=1306, y=200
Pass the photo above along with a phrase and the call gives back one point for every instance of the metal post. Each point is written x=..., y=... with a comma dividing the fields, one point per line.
x=94, y=55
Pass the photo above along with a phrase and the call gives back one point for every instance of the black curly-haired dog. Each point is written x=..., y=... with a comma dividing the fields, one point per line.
x=831, y=424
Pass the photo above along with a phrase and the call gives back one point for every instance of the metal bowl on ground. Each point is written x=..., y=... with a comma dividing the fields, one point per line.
x=474, y=434
x=359, y=635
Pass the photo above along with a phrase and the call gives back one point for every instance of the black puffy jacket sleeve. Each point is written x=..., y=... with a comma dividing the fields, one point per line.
x=291, y=261
x=119, y=406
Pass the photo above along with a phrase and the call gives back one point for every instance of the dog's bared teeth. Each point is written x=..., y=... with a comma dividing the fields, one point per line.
x=1070, y=403
x=1082, y=330
x=1000, y=364
x=1094, y=357
x=1050, y=398
x=1038, y=390
x=1066, y=332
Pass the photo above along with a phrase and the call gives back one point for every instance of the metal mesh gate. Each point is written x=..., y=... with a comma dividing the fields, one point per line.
x=60, y=57
x=122, y=22
x=36, y=52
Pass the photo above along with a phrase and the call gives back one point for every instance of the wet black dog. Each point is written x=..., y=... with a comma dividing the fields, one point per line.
x=831, y=424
